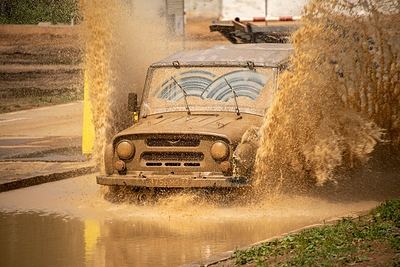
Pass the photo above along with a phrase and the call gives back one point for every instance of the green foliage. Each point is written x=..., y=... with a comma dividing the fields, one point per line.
x=35, y=11
x=341, y=244
x=58, y=99
x=388, y=211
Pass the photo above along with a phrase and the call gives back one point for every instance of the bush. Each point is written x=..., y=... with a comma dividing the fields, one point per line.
x=35, y=11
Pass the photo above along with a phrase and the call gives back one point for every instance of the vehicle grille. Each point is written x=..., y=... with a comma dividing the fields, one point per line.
x=173, y=159
x=173, y=156
x=172, y=142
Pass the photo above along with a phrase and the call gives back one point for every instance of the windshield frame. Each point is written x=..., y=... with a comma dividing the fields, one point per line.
x=235, y=103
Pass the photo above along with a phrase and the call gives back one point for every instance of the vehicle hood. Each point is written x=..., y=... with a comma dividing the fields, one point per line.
x=228, y=125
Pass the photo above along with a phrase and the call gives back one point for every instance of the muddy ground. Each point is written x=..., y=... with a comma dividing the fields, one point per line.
x=43, y=64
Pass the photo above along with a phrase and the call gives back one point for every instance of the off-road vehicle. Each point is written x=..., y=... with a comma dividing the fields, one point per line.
x=198, y=119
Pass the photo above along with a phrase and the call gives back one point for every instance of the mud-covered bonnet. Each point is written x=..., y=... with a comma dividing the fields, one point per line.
x=259, y=54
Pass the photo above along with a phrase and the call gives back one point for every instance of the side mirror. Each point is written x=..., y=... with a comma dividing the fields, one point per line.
x=133, y=102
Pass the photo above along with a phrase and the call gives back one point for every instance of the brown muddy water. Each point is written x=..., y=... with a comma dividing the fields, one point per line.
x=340, y=98
x=68, y=223
x=122, y=39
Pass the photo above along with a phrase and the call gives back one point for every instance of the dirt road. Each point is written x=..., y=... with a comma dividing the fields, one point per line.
x=40, y=65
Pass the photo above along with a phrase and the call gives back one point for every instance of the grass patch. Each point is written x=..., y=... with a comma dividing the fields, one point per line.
x=56, y=99
x=371, y=240
x=24, y=103
x=35, y=11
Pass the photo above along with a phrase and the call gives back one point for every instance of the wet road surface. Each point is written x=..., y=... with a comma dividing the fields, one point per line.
x=68, y=223
x=43, y=134
x=59, y=120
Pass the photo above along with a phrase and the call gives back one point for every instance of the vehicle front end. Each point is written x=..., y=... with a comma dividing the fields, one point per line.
x=154, y=154
x=198, y=120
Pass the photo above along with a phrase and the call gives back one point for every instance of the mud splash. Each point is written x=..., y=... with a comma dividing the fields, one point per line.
x=121, y=40
x=339, y=99
x=98, y=36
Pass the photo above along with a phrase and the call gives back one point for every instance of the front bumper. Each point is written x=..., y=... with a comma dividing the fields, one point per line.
x=175, y=181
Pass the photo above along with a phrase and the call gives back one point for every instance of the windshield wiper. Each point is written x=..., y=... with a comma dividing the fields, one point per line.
x=184, y=95
x=234, y=95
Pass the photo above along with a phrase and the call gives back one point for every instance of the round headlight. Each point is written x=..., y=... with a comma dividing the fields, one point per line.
x=125, y=149
x=219, y=150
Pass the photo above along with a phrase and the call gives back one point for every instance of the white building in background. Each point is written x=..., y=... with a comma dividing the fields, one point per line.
x=230, y=9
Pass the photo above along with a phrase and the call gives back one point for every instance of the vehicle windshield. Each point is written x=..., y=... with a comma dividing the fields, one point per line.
x=210, y=89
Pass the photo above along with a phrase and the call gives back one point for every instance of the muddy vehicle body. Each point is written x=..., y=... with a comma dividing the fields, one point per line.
x=198, y=119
